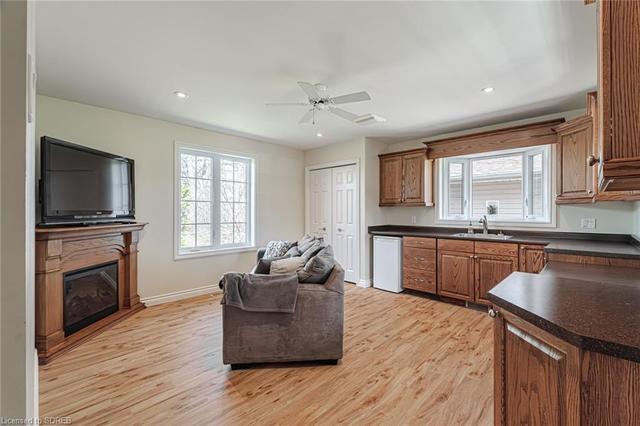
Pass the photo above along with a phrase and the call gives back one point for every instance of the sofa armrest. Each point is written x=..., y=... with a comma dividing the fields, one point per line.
x=335, y=282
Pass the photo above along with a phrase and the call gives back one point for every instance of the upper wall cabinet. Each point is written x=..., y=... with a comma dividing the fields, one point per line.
x=575, y=178
x=406, y=179
x=619, y=94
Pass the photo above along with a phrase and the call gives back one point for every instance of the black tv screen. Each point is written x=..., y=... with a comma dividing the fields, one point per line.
x=84, y=185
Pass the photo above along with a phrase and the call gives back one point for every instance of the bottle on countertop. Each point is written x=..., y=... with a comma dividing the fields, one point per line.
x=470, y=228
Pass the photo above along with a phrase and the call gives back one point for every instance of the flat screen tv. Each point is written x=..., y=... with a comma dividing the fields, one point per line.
x=80, y=185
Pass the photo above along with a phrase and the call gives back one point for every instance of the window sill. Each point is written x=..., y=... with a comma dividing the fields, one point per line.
x=215, y=252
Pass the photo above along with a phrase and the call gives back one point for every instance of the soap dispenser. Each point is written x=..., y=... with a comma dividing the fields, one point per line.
x=470, y=228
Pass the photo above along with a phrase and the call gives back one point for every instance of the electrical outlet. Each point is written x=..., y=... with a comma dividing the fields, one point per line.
x=413, y=220
x=588, y=223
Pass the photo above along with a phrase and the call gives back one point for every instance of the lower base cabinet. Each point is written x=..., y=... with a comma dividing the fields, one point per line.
x=456, y=275
x=540, y=379
x=489, y=271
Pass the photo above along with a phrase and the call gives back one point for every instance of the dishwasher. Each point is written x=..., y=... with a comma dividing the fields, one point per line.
x=387, y=263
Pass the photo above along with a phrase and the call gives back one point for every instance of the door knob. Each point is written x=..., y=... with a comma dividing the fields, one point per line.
x=592, y=161
x=324, y=228
x=340, y=229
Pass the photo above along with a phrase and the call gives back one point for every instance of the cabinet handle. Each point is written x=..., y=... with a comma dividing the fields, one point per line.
x=592, y=161
x=492, y=313
x=418, y=258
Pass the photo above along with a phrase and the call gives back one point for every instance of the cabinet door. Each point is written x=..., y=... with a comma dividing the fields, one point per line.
x=536, y=375
x=455, y=275
x=574, y=176
x=413, y=166
x=619, y=94
x=489, y=271
x=390, y=180
x=532, y=258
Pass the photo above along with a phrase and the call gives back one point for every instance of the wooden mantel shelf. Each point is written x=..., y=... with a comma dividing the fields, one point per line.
x=64, y=249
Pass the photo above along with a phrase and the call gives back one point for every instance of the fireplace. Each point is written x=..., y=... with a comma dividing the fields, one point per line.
x=86, y=281
x=90, y=294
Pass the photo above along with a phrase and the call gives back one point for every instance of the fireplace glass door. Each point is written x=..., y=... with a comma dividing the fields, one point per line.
x=90, y=294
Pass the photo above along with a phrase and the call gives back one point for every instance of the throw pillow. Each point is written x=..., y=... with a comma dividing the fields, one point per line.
x=293, y=252
x=313, y=249
x=276, y=249
x=264, y=265
x=305, y=242
x=318, y=268
x=286, y=266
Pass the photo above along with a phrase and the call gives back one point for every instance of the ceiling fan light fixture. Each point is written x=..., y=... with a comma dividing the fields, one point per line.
x=369, y=119
x=488, y=89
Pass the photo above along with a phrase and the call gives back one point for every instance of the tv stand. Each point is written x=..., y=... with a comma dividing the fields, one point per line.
x=64, y=249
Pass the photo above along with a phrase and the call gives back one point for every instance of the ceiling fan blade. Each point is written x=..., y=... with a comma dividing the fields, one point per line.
x=343, y=114
x=309, y=89
x=287, y=104
x=306, y=117
x=352, y=97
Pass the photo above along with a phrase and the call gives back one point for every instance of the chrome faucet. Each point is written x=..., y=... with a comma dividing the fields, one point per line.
x=485, y=225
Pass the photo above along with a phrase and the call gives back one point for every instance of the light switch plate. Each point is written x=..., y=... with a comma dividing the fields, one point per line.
x=588, y=223
x=413, y=220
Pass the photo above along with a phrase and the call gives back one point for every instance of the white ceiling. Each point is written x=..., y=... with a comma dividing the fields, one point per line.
x=423, y=63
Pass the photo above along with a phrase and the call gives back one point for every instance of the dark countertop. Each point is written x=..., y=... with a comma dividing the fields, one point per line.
x=577, y=243
x=596, y=308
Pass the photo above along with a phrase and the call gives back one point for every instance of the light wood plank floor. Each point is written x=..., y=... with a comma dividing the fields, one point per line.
x=407, y=360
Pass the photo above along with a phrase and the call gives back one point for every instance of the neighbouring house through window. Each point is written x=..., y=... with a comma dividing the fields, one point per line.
x=214, y=201
x=506, y=186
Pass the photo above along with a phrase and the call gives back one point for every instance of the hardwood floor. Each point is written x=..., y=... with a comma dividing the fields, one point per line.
x=407, y=360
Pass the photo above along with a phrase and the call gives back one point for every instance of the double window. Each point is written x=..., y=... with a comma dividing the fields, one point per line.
x=506, y=186
x=214, y=201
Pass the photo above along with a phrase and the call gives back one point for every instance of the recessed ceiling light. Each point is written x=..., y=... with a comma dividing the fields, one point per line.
x=487, y=89
x=180, y=94
x=319, y=134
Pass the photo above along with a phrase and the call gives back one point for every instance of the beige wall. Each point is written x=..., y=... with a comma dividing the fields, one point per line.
x=150, y=142
x=637, y=219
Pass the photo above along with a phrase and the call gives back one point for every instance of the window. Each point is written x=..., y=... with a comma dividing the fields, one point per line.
x=506, y=186
x=214, y=201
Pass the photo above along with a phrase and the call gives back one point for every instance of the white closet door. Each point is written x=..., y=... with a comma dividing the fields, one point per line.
x=320, y=204
x=345, y=219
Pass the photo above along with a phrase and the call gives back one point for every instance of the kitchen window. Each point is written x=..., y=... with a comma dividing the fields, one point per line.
x=214, y=202
x=507, y=186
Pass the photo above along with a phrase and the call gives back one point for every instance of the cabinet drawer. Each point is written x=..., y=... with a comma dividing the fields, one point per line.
x=500, y=249
x=456, y=245
x=416, y=279
x=419, y=242
x=419, y=258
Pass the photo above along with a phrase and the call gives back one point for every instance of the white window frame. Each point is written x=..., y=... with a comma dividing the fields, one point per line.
x=527, y=157
x=216, y=247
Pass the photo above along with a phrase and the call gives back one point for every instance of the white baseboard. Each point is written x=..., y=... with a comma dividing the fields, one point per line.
x=179, y=295
x=364, y=283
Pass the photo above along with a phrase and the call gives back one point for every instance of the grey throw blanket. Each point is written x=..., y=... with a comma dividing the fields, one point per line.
x=260, y=293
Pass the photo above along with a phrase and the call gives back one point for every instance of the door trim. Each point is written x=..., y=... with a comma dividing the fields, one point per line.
x=359, y=216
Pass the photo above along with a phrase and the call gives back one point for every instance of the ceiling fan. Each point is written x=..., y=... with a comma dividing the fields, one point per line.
x=319, y=100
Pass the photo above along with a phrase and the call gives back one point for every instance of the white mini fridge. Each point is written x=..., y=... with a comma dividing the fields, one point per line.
x=387, y=263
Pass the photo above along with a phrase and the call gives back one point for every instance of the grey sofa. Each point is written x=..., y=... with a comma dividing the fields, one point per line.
x=314, y=332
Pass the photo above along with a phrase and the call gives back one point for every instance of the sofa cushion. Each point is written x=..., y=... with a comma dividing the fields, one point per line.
x=318, y=268
x=293, y=251
x=276, y=248
x=287, y=265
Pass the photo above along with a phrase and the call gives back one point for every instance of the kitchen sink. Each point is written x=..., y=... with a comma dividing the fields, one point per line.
x=483, y=236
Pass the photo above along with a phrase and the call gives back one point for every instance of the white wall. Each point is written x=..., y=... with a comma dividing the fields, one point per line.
x=150, y=142
x=636, y=230
x=17, y=305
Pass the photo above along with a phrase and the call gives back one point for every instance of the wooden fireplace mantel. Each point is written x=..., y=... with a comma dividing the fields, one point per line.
x=64, y=249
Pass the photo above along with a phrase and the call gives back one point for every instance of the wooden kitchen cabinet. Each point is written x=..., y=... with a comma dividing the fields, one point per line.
x=489, y=271
x=419, y=264
x=456, y=275
x=575, y=177
x=619, y=94
x=406, y=179
x=536, y=375
x=532, y=258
